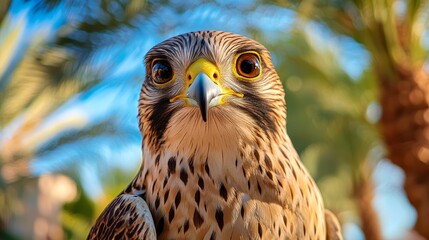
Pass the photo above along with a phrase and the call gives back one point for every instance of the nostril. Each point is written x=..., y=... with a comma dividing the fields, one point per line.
x=215, y=75
x=189, y=77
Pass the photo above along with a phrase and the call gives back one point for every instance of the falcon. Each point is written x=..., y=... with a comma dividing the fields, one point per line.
x=217, y=160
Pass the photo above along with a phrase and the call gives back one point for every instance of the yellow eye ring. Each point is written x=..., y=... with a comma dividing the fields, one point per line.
x=161, y=72
x=247, y=65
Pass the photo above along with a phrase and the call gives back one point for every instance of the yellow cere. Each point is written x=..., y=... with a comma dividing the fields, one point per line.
x=210, y=69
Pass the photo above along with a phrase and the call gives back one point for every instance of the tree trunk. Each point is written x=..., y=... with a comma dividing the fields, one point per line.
x=405, y=129
x=370, y=224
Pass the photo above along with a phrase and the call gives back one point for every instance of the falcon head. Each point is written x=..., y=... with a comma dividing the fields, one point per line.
x=207, y=86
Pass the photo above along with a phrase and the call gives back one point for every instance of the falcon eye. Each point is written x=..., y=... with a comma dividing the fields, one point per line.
x=248, y=65
x=161, y=71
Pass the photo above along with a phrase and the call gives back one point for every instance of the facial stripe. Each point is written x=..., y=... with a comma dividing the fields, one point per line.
x=259, y=110
x=159, y=118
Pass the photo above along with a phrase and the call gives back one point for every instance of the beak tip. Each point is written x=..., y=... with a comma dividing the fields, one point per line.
x=204, y=113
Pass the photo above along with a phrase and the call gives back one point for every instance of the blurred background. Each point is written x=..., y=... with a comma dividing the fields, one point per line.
x=355, y=74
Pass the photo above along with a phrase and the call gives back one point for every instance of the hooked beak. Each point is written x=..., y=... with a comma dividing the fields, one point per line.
x=203, y=90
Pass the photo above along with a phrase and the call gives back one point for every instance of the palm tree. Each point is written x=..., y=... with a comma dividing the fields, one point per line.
x=41, y=71
x=392, y=32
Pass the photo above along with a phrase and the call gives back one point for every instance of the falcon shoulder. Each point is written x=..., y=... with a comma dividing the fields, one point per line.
x=333, y=229
x=126, y=217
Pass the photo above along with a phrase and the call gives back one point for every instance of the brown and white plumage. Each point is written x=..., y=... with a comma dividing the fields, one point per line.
x=126, y=217
x=217, y=161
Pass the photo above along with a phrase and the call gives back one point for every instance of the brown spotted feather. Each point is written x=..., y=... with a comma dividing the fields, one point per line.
x=126, y=217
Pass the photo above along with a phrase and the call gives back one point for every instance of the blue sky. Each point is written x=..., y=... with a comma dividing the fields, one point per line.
x=119, y=95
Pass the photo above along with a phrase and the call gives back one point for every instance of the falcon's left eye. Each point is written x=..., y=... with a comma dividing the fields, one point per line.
x=248, y=65
x=161, y=71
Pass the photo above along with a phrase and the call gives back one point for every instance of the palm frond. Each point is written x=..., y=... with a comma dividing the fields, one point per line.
x=107, y=128
x=4, y=8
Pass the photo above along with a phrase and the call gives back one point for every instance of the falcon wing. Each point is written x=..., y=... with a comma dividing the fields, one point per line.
x=126, y=217
x=333, y=229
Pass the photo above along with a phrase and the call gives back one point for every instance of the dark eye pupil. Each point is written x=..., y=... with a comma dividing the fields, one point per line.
x=162, y=71
x=247, y=66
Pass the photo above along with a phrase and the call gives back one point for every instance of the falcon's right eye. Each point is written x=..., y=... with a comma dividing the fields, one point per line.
x=161, y=71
